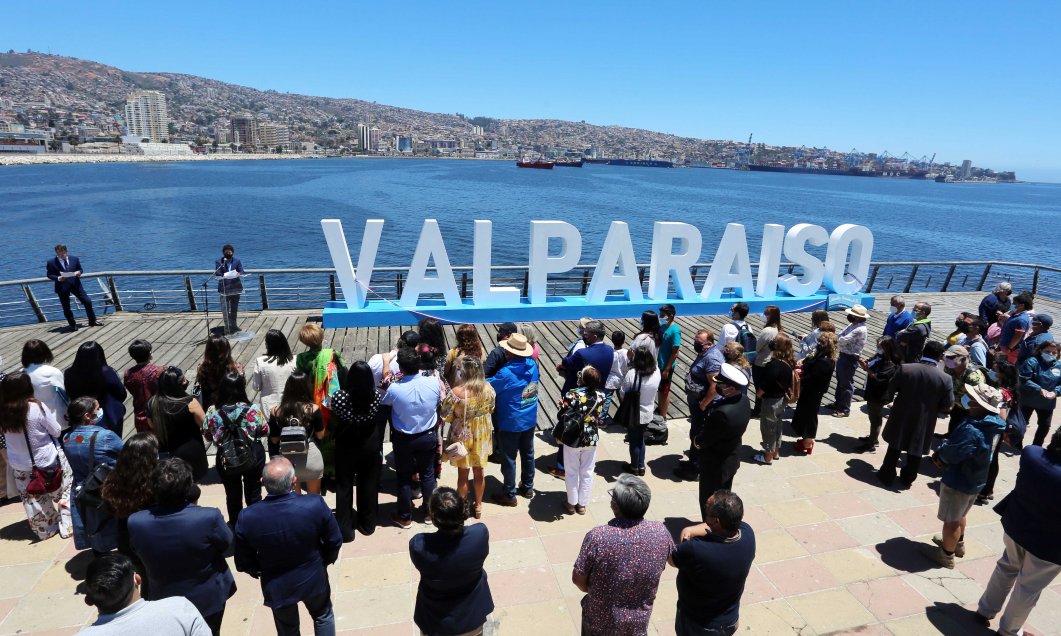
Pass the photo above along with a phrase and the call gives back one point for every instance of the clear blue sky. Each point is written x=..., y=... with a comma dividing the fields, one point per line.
x=969, y=80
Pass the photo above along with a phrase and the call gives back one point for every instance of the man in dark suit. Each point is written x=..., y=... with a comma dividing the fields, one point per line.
x=66, y=271
x=719, y=439
x=229, y=269
x=922, y=394
x=287, y=541
x=183, y=546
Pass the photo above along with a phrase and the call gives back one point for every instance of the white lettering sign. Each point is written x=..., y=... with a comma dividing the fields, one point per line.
x=676, y=247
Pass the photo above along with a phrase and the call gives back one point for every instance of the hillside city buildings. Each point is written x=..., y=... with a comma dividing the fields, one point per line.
x=146, y=116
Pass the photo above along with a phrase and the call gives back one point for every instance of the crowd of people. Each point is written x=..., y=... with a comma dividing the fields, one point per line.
x=319, y=424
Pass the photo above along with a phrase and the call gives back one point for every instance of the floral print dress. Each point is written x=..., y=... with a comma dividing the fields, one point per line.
x=471, y=424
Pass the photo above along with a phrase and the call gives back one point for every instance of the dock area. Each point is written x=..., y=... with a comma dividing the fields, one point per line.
x=836, y=551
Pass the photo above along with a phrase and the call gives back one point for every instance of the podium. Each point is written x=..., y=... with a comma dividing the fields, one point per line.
x=229, y=288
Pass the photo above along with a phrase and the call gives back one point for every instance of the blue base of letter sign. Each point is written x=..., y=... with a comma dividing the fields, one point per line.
x=378, y=313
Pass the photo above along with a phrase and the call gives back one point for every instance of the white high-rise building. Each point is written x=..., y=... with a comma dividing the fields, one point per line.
x=373, y=139
x=363, y=137
x=146, y=116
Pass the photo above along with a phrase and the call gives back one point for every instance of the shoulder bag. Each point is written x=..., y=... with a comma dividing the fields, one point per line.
x=792, y=395
x=629, y=411
x=89, y=494
x=42, y=480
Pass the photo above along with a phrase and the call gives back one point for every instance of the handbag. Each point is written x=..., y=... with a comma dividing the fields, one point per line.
x=42, y=480
x=792, y=395
x=629, y=411
x=454, y=448
x=293, y=438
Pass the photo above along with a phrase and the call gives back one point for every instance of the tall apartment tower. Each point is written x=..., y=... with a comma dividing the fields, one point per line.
x=373, y=139
x=363, y=137
x=967, y=169
x=244, y=131
x=146, y=115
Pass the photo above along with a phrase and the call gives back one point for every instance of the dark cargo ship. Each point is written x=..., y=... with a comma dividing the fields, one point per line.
x=640, y=163
x=840, y=172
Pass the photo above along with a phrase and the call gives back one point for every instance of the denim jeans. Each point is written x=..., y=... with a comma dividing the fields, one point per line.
x=635, y=435
x=413, y=454
x=845, y=380
x=511, y=443
x=320, y=610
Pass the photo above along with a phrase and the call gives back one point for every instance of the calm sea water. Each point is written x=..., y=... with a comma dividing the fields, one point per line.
x=177, y=215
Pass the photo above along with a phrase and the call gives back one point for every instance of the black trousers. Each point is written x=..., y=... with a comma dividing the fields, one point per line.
x=239, y=488
x=82, y=297
x=213, y=621
x=1042, y=424
x=357, y=467
x=891, y=461
x=716, y=471
x=229, y=308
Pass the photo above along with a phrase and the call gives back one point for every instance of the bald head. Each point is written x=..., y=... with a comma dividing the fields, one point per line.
x=278, y=476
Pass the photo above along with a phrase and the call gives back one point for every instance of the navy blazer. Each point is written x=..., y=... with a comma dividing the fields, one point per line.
x=1031, y=512
x=287, y=541
x=54, y=268
x=453, y=596
x=183, y=550
x=234, y=285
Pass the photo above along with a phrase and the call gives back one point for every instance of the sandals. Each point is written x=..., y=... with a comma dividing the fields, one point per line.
x=568, y=508
x=842, y=414
x=478, y=511
x=760, y=458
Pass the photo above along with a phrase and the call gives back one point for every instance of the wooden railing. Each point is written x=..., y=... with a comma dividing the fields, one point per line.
x=29, y=300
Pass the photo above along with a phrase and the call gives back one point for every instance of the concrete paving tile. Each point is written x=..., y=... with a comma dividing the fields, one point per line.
x=758, y=588
x=62, y=631
x=6, y=605
x=47, y=611
x=239, y=618
x=397, y=629
x=15, y=552
x=884, y=500
x=1046, y=617
x=776, y=545
x=374, y=606
x=871, y=529
x=822, y=484
x=530, y=585
x=26, y=575
x=917, y=521
x=569, y=523
x=888, y=598
x=822, y=537
x=385, y=540
x=516, y=554
x=831, y=610
x=562, y=574
x=798, y=576
x=547, y=617
x=374, y=571
x=921, y=624
x=855, y=564
x=795, y=513
x=864, y=630
x=978, y=570
x=843, y=505
x=563, y=548
x=759, y=519
x=943, y=586
x=665, y=606
x=772, y=618
x=757, y=487
x=508, y=527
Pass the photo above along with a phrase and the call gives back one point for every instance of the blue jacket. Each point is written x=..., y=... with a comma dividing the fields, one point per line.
x=1035, y=376
x=966, y=453
x=1031, y=513
x=516, y=386
x=453, y=596
x=287, y=541
x=53, y=268
x=76, y=444
x=1026, y=348
x=183, y=550
x=232, y=285
x=898, y=322
x=598, y=355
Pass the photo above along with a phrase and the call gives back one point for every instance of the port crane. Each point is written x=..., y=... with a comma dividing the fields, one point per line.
x=744, y=155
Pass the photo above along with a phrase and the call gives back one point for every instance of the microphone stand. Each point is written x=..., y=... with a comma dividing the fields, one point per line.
x=206, y=301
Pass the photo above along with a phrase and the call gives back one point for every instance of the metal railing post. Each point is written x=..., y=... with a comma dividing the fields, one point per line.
x=464, y=285
x=910, y=281
x=585, y=282
x=114, y=294
x=526, y=283
x=983, y=279
x=34, y=304
x=191, y=292
x=869, y=283
x=1035, y=282
x=950, y=274
x=398, y=284
x=331, y=286
x=265, y=294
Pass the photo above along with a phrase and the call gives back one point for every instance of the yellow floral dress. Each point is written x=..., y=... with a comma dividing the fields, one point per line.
x=470, y=422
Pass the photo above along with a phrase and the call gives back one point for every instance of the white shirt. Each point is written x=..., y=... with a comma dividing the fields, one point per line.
x=853, y=339
x=729, y=334
x=269, y=378
x=173, y=616
x=620, y=362
x=42, y=429
x=46, y=379
x=649, y=387
x=375, y=363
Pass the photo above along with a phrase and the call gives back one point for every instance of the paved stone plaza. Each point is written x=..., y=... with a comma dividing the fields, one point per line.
x=837, y=553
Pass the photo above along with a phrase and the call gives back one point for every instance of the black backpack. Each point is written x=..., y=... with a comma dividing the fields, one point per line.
x=89, y=494
x=235, y=451
x=656, y=431
x=746, y=339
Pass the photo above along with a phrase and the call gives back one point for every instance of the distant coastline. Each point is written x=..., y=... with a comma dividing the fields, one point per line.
x=55, y=158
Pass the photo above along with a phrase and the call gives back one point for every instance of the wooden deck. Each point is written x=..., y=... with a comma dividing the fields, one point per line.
x=176, y=336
